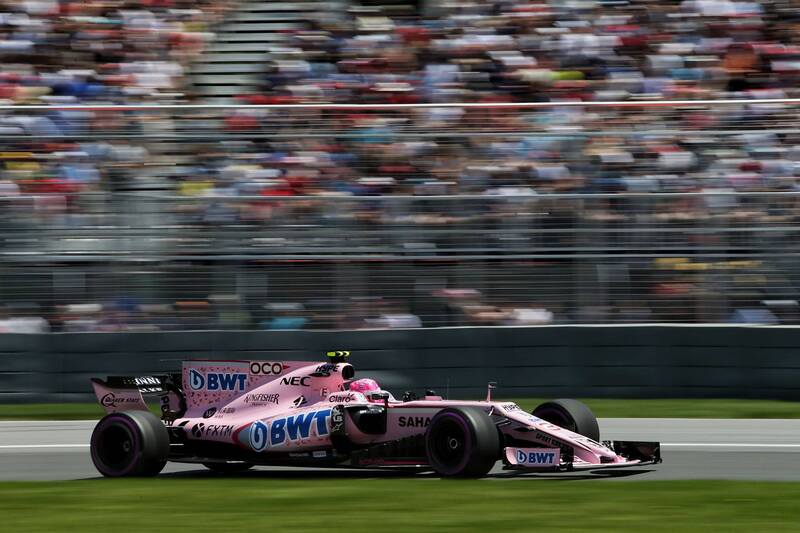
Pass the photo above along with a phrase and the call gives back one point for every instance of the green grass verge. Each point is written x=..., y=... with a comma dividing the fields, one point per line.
x=406, y=505
x=55, y=411
x=603, y=408
x=684, y=408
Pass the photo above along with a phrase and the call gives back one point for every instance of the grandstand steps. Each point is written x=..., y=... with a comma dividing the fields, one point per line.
x=221, y=94
x=234, y=63
x=234, y=57
x=266, y=40
x=258, y=26
x=258, y=16
x=222, y=79
x=240, y=67
x=241, y=47
x=294, y=7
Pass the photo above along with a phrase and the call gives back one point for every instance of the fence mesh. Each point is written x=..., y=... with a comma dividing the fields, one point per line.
x=406, y=216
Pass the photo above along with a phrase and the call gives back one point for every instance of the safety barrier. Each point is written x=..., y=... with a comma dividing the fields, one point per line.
x=578, y=361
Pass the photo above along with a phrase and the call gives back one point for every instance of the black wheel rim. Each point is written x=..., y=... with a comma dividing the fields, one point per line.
x=449, y=441
x=116, y=447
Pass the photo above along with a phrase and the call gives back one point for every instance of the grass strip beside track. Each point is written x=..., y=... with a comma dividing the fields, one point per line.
x=683, y=408
x=603, y=408
x=341, y=503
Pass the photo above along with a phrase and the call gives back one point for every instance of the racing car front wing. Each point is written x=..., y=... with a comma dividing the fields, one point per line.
x=632, y=452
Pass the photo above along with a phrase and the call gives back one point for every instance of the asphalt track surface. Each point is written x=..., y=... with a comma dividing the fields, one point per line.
x=691, y=449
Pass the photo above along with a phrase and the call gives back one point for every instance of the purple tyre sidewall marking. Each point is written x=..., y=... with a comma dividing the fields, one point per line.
x=136, y=445
x=459, y=420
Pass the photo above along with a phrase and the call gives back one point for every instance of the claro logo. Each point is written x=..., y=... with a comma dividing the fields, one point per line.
x=217, y=381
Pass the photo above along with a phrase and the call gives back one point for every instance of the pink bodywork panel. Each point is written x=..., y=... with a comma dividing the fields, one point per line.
x=286, y=406
x=242, y=401
x=114, y=400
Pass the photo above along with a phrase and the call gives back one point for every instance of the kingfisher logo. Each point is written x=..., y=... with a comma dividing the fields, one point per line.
x=289, y=429
x=217, y=381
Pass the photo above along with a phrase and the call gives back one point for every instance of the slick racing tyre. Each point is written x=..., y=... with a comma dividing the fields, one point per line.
x=570, y=414
x=228, y=468
x=462, y=442
x=129, y=443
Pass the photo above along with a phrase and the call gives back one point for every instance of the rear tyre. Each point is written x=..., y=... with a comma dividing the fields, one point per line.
x=462, y=442
x=228, y=468
x=129, y=443
x=570, y=414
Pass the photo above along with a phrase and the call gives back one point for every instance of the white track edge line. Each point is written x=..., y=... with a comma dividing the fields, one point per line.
x=23, y=446
x=725, y=445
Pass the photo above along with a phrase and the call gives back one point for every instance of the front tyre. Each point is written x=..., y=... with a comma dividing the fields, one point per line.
x=129, y=443
x=570, y=414
x=462, y=442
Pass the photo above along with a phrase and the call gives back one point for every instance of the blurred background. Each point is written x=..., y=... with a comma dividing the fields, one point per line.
x=198, y=164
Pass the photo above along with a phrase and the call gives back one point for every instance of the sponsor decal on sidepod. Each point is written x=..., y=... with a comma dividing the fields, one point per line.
x=111, y=400
x=288, y=429
x=296, y=381
x=534, y=457
x=266, y=368
x=347, y=397
x=261, y=399
x=217, y=381
x=414, y=421
x=212, y=430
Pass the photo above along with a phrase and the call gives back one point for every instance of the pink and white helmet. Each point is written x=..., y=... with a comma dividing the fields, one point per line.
x=365, y=386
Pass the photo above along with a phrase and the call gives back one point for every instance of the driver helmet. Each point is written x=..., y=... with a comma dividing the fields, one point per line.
x=370, y=389
x=365, y=386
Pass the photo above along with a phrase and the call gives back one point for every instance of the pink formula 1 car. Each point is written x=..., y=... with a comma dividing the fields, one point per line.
x=232, y=415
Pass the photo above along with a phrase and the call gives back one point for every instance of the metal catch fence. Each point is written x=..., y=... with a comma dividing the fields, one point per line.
x=329, y=216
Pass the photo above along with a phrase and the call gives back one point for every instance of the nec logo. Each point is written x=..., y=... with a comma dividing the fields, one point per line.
x=217, y=381
x=297, y=381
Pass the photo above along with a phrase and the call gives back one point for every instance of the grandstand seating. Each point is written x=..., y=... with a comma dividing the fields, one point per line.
x=209, y=191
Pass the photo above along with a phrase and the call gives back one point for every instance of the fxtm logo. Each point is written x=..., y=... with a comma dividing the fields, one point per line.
x=290, y=428
x=212, y=430
x=216, y=381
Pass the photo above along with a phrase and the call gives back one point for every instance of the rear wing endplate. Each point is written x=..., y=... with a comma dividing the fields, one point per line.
x=125, y=393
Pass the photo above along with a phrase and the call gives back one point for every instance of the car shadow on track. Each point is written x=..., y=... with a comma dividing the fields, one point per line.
x=300, y=473
x=570, y=476
x=295, y=473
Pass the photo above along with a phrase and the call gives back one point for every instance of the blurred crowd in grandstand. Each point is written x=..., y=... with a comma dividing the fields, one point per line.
x=59, y=52
x=98, y=52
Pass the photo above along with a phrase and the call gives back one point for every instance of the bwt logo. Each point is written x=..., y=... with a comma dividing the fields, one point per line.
x=259, y=435
x=536, y=458
x=289, y=428
x=215, y=381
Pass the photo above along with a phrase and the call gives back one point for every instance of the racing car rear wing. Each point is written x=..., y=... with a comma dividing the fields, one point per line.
x=125, y=393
